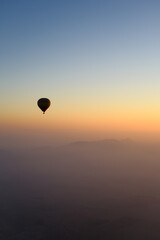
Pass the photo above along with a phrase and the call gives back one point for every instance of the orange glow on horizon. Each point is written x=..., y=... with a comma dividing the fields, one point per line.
x=114, y=120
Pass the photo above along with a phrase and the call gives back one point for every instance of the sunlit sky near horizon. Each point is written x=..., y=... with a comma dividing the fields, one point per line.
x=98, y=62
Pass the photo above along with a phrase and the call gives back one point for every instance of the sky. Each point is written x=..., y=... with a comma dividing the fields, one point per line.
x=96, y=60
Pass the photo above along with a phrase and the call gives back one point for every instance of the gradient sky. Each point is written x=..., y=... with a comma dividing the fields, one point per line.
x=97, y=60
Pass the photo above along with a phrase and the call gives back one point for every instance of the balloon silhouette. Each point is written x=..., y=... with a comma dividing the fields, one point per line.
x=43, y=104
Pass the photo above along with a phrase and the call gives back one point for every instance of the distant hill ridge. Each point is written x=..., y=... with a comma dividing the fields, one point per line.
x=103, y=143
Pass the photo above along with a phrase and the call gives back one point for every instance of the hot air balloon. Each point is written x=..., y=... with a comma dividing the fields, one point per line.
x=43, y=104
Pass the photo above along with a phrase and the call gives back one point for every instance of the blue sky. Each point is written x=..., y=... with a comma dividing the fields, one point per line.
x=80, y=53
x=84, y=36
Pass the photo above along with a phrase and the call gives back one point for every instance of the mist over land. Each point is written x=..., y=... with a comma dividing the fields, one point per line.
x=105, y=189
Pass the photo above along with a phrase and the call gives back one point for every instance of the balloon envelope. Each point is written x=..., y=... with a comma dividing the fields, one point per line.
x=43, y=104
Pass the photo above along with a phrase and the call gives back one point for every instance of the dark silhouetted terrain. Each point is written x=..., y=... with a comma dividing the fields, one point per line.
x=86, y=190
